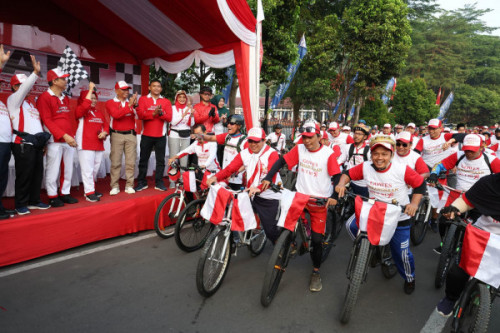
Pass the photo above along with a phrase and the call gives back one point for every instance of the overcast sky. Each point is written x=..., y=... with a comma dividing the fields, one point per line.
x=491, y=19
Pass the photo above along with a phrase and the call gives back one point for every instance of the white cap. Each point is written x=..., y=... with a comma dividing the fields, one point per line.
x=333, y=125
x=434, y=123
x=404, y=136
x=387, y=126
x=411, y=125
x=472, y=142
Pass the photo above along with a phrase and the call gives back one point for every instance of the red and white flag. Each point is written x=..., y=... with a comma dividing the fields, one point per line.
x=481, y=255
x=378, y=219
x=243, y=217
x=448, y=197
x=291, y=206
x=438, y=99
x=189, y=181
x=215, y=206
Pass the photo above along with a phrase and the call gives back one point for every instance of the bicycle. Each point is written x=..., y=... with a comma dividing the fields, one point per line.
x=220, y=245
x=419, y=223
x=284, y=247
x=357, y=270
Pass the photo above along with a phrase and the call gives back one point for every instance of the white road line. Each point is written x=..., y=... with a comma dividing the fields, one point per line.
x=75, y=255
x=435, y=323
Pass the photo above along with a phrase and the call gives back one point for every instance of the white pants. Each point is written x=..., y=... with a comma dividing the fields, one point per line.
x=57, y=151
x=90, y=162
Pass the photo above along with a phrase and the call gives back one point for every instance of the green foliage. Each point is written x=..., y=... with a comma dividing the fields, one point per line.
x=475, y=105
x=413, y=102
x=374, y=112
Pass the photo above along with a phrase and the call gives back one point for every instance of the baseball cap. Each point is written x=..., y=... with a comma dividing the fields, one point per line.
x=256, y=134
x=122, y=85
x=404, y=136
x=472, y=142
x=310, y=129
x=447, y=130
x=17, y=79
x=434, y=123
x=56, y=73
x=333, y=125
x=382, y=140
x=412, y=125
x=346, y=128
x=387, y=126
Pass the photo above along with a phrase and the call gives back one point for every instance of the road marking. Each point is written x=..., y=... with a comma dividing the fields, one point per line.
x=435, y=323
x=75, y=255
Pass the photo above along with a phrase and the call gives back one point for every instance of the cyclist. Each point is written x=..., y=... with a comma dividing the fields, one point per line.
x=337, y=137
x=316, y=167
x=484, y=195
x=387, y=180
x=495, y=142
x=405, y=154
x=277, y=140
x=257, y=160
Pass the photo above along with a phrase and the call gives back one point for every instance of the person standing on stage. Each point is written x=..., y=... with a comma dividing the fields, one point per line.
x=90, y=135
x=205, y=112
x=223, y=112
x=57, y=119
x=29, y=159
x=123, y=137
x=155, y=111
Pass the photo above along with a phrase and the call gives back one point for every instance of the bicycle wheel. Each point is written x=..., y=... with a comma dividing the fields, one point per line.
x=192, y=230
x=276, y=267
x=388, y=267
x=446, y=257
x=258, y=242
x=419, y=226
x=357, y=275
x=166, y=215
x=214, y=262
x=473, y=314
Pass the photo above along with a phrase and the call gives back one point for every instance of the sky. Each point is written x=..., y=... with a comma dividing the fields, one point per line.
x=491, y=19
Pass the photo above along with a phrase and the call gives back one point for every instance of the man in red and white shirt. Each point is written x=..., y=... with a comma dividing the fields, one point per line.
x=57, y=119
x=405, y=155
x=123, y=137
x=387, y=130
x=277, y=139
x=337, y=137
x=411, y=127
x=495, y=142
x=155, y=111
x=316, y=167
x=205, y=112
x=257, y=160
x=29, y=159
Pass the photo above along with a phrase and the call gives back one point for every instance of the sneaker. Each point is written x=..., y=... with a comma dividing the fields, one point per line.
x=98, y=194
x=39, y=205
x=434, y=226
x=445, y=307
x=139, y=187
x=92, y=197
x=315, y=284
x=129, y=190
x=409, y=287
x=4, y=215
x=160, y=187
x=56, y=202
x=114, y=191
x=438, y=249
x=23, y=211
x=68, y=199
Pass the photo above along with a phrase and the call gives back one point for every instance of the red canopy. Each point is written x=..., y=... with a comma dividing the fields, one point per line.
x=170, y=34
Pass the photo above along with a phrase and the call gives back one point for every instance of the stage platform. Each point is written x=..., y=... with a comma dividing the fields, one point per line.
x=56, y=229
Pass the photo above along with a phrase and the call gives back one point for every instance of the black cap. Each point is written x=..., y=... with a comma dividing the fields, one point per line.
x=205, y=89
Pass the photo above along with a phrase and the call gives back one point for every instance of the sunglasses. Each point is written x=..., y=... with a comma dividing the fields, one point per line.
x=232, y=123
x=253, y=141
x=310, y=129
x=401, y=144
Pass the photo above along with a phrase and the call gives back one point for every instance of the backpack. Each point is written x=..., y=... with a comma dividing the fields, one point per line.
x=238, y=145
x=365, y=152
x=486, y=159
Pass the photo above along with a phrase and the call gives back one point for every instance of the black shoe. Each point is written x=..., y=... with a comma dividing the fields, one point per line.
x=409, y=287
x=56, y=202
x=11, y=211
x=68, y=199
x=98, y=194
x=434, y=226
x=92, y=197
x=160, y=187
x=3, y=214
x=140, y=187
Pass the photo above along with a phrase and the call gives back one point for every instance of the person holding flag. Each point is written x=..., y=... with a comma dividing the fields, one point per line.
x=388, y=181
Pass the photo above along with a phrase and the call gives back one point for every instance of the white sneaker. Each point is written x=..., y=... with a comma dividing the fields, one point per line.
x=114, y=191
x=129, y=190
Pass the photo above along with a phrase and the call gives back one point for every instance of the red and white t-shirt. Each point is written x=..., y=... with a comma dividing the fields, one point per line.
x=91, y=122
x=279, y=141
x=315, y=169
x=389, y=184
x=470, y=171
x=231, y=151
x=341, y=139
x=206, y=152
x=154, y=126
x=121, y=114
x=413, y=160
x=5, y=126
x=356, y=159
x=56, y=115
x=495, y=146
x=432, y=149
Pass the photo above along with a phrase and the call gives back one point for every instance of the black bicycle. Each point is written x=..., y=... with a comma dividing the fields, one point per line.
x=419, y=223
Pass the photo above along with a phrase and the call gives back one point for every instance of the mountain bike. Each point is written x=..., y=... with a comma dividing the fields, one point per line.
x=419, y=223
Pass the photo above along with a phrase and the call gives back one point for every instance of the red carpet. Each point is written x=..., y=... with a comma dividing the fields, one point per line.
x=56, y=229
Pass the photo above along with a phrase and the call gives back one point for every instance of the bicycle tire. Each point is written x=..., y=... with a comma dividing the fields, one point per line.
x=418, y=228
x=216, y=254
x=446, y=257
x=258, y=244
x=192, y=230
x=161, y=214
x=357, y=276
x=276, y=267
x=475, y=314
x=389, y=269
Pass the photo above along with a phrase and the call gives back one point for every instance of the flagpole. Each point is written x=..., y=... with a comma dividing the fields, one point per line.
x=260, y=18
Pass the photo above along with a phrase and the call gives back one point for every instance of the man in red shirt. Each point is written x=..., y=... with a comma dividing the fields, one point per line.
x=56, y=118
x=205, y=112
x=123, y=137
x=155, y=111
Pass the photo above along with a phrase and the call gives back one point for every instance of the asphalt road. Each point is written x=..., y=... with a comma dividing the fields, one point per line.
x=148, y=285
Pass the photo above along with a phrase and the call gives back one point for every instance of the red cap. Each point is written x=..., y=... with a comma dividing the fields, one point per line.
x=387, y=126
x=312, y=127
x=56, y=73
x=122, y=85
x=404, y=136
x=256, y=134
x=472, y=142
x=434, y=123
x=18, y=79
x=333, y=125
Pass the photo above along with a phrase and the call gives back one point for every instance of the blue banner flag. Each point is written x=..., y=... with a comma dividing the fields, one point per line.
x=227, y=89
x=388, y=90
x=292, y=69
x=445, y=106
x=351, y=114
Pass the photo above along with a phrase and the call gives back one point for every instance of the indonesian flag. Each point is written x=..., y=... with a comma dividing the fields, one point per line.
x=243, y=217
x=215, y=206
x=378, y=219
x=189, y=181
x=291, y=206
x=438, y=99
x=394, y=88
x=481, y=255
x=436, y=195
x=448, y=197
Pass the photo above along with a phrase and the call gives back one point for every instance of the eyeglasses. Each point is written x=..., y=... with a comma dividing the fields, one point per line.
x=253, y=141
x=401, y=144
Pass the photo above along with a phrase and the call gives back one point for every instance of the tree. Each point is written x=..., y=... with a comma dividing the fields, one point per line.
x=413, y=102
x=374, y=112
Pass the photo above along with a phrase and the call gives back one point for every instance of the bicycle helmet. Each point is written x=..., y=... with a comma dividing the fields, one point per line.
x=382, y=140
x=236, y=119
x=361, y=128
x=277, y=126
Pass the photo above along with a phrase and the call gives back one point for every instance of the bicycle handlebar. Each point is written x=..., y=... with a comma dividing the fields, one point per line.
x=352, y=195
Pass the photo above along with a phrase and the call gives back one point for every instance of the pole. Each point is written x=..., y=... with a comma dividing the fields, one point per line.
x=266, y=107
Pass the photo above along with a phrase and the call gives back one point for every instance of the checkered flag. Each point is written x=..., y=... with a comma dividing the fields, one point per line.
x=70, y=64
